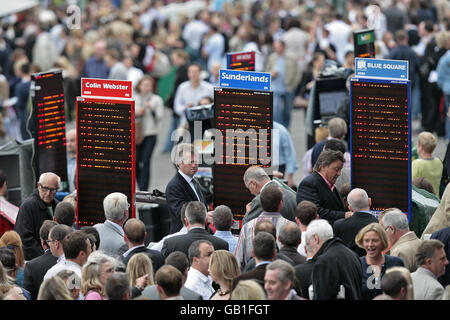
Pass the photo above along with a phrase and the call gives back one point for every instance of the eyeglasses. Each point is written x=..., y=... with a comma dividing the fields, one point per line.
x=48, y=241
x=46, y=189
x=387, y=228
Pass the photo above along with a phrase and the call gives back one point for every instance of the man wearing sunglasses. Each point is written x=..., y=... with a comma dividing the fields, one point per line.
x=37, y=208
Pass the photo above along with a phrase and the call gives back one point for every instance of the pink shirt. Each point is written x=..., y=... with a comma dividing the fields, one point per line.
x=93, y=295
x=331, y=186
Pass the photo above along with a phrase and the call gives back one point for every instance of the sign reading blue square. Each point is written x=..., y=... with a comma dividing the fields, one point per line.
x=249, y=80
x=381, y=68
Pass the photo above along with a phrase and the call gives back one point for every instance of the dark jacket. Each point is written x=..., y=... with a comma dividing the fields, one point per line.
x=347, y=229
x=35, y=271
x=303, y=274
x=156, y=257
x=178, y=191
x=371, y=287
x=329, y=203
x=335, y=265
x=404, y=52
x=292, y=253
x=32, y=213
x=256, y=274
x=182, y=242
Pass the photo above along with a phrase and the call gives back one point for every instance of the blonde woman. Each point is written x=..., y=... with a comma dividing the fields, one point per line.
x=223, y=268
x=248, y=290
x=98, y=268
x=140, y=270
x=373, y=239
x=12, y=240
x=54, y=288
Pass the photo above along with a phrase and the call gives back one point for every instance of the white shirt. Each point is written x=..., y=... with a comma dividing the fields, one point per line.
x=190, y=182
x=158, y=246
x=126, y=253
x=301, y=246
x=186, y=94
x=198, y=282
x=63, y=265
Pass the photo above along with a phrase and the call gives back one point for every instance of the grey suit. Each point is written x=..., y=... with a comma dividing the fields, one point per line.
x=110, y=238
x=426, y=285
x=288, y=210
x=187, y=294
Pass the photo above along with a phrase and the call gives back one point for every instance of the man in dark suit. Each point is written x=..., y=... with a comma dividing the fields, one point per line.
x=264, y=251
x=35, y=269
x=37, y=208
x=444, y=236
x=290, y=237
x=347, y=229
x=183, y=187
x=256, y=179
x=319, y=187
x=134, y=236
x=195, y=223
x=336, y=271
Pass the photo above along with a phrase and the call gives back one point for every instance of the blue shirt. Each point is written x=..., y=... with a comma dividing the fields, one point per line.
x=285, y=148
x=228, y=237
x=278, y=85
x=95, y=69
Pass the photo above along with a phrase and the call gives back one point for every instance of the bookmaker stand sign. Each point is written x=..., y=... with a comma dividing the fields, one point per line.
x=105, y=147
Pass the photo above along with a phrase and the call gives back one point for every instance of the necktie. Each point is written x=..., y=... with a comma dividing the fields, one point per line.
x=197, y=189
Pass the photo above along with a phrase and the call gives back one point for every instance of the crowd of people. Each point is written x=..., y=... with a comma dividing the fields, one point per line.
x=313, y=239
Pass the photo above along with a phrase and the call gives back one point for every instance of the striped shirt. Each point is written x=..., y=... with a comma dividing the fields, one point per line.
x=245, y=242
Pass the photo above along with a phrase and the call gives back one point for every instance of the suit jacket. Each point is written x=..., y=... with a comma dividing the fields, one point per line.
x=32, y=213
x=329, y=203
x=406, y=249
x=444, y=236
x=288, y=210
x=292, y=253
x=426, y=285
x=186, y=293
x=35, y=271
x=178, y=191
x=182, y=242
x=156, y=257
x=347, y=229
x=256, y=274
x=335, y=265
x=110, y=238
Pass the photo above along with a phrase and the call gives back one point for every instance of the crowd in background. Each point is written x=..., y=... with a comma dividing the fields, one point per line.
x=161, y=46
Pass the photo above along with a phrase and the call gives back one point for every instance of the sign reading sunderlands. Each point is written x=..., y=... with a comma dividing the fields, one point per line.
x=245, y=80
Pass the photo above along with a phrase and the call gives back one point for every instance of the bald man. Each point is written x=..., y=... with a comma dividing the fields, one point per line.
x=37, y=208
x=359, y=202
x=71, y=146
x=134, y=236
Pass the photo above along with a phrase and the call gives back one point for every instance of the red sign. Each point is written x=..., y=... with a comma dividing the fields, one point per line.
x=241, y=61
x=106, y=88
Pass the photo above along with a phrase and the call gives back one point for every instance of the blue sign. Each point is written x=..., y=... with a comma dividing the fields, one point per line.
x=249, y=80
x=381, y=68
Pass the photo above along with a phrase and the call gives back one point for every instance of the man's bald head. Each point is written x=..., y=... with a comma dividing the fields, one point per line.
x=71, y=142
x=358, y=200
x=135, y=231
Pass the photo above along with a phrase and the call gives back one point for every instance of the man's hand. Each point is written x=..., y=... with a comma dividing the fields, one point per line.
x=209, y=216
x=142, y=282
x=277, y=174
x=248, y=207
x=348, y=214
